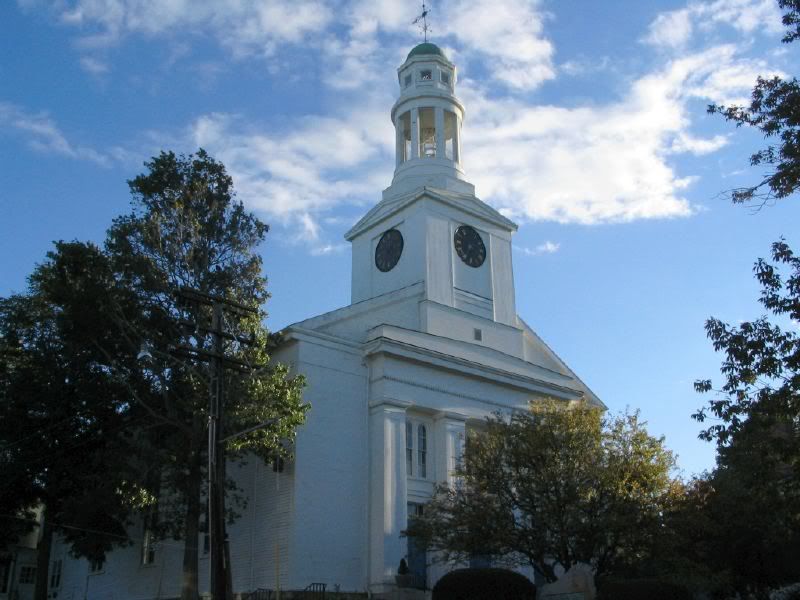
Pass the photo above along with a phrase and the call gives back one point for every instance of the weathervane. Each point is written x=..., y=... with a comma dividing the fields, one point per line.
x=424, y=18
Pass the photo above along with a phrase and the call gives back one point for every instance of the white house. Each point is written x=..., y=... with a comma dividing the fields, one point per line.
x=429, y=346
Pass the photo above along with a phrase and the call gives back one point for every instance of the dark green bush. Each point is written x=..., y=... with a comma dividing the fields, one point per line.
x=641, y=589
x=480, y=584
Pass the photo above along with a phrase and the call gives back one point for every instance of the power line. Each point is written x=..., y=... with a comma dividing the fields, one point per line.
x=27, y=437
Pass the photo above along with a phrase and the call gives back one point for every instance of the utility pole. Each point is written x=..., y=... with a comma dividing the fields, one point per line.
x=219, y=559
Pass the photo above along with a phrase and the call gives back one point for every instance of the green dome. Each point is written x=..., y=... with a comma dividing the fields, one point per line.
x=426, y=48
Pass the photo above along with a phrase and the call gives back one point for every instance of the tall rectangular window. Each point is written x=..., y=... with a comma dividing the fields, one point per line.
x=450, y=125
x=148, y=547
x=27, y=575
x=405, y=132
x=204, y=527
x=422, y=449
x=427, y=133
x=55, y=574
x=409, y=449
x=5, y=571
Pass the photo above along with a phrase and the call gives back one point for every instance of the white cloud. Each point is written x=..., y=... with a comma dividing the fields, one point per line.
x=244, y=26
x=507, y=33
x=685, y=142
x=602, y=163
x=733, y=80
x=674, y=29
x=43, y=135
x=299, y=173
x=93, y=65
x=327, y=249
x=594, y=164
x=547, y=247
x=609, y=161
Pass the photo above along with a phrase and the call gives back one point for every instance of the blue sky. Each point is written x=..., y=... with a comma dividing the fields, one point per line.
x=585, y=123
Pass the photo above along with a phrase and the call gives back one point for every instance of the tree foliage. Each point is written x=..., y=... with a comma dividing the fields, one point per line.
x=66, y=422
x=104, y=403
x=553, y=486
x=774, y=110
x=761, y=367
x=748, y=514
x=187, y=230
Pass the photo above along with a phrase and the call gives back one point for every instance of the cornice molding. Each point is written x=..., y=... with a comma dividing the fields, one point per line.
x=393, y=404
x=466, y=203
x=384, y=345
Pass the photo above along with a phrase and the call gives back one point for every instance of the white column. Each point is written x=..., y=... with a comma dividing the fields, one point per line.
x=439, y=123
x=457, y=141
x=399, y=142
x=450, y=437
x=387, y=490
x=414, y=133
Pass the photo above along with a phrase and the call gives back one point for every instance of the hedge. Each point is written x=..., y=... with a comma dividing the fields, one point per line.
x=641, y=589
x=479, y=584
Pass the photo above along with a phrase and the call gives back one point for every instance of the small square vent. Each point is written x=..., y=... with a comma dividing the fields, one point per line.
x=477, y=334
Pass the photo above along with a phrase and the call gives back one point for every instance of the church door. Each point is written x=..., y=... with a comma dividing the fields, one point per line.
x=417, y=557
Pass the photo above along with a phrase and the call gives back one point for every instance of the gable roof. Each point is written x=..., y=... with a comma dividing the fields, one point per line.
x=464, y=202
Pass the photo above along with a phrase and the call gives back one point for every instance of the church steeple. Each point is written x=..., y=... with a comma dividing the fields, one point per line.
x=430, y=235
x=427, y=118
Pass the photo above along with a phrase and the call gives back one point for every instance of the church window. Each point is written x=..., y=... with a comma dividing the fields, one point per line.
x=409, y=449
x=445, y=77
x=148, y=547
x=5, y=571
x=407, y=81
x=422, y=449
x=204, y=529
x=478, y=334
x=450, y=125
x=426, y=75
x=427, y=133
x=417, y=453
x=405, y=132
x=55, y=574
x=27, y=574
x=96, y=565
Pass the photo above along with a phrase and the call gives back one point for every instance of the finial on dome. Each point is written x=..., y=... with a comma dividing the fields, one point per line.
x=423, y=17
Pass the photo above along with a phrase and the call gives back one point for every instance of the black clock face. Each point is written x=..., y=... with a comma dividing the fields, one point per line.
x=469, y=246
x=389, y=249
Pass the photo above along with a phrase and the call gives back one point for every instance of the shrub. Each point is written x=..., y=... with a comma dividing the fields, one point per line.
x=790, y=592
x=479, y=584
x=639, y=589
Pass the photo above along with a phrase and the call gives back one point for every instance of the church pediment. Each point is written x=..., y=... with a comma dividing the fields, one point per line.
x=463, y=202
x=471, y=361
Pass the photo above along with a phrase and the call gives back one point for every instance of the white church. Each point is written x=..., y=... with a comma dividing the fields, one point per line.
x=429, y=346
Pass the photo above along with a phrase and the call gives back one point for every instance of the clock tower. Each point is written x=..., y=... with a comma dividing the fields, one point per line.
x=430, y=230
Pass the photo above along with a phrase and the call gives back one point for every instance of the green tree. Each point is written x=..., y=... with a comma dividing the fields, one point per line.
x=65, y=421
x=187, y=230
x=756, y=424
x=774, y=110
x=553, y=486
x=103, y=408
x=735, y=528
x=761, y=368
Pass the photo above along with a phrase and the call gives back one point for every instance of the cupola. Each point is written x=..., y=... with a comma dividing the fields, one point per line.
x=427, y=118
